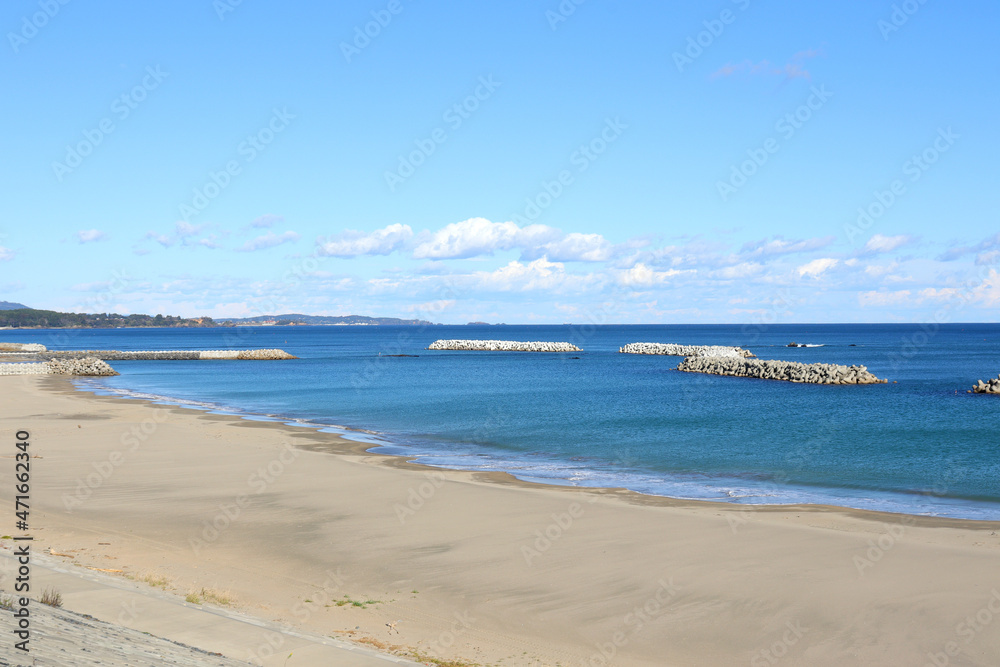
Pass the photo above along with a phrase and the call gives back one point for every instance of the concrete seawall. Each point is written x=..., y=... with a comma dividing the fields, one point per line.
x=789, y=371
x=675, y=350
x=502, y=346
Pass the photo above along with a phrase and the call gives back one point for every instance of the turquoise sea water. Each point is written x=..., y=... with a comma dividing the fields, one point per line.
x=920, y=444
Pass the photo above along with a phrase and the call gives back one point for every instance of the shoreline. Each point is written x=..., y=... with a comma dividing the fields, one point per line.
x=503, y=572
x=377, y=445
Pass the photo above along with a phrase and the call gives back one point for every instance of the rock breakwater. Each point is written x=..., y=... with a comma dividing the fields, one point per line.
x=502, y=346
x=21, y=347
x=168, y=355
x=83, y=366
x=674, y=350
x=89, y=366
x=988, y=387
x=772, y=369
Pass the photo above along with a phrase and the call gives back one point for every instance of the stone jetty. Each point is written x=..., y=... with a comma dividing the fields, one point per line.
x=167, y=355
x=502, y=346
x=772, y=369
x=988, y=387
x=82, y=366
x=674, y=350
x=35, y=359
x=21, y=347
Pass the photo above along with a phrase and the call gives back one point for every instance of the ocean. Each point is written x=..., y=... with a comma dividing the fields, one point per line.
x=919, y=445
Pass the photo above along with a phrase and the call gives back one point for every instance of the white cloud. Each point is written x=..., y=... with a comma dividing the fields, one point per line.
x=352, y=243
x=518, y=276
x=162, y=239
x=883, y=299
x=573, y=247
x=817, y=267
x=209, y=242
x=266, y=221
x=541, y=274
x=742, y=270
x=988, y=258
x=880, y=244
x=479, y=236
x=90, y=236
x=431, y=307
x=185, y=229
x=778, y=245
x=876, y=270
x=6, y=254
x=641, y=275
x=268, y=240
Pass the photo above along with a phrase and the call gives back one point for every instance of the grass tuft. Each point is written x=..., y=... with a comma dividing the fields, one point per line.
x=51, y=597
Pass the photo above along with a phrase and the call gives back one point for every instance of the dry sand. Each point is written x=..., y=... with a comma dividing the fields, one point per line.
x=471, y=567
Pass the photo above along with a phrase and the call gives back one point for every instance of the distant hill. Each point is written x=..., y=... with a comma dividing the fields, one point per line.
x=17, y=315
x=51, y=319
x=298, y=318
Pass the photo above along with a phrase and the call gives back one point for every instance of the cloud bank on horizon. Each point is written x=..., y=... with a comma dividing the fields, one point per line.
x=758, y=164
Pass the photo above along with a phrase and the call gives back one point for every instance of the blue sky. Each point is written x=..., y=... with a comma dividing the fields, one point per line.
x=728, y=161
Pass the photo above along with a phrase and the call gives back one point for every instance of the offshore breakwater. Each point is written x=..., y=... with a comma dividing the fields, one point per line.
x=675, y=350
x=989, y=387
x=502, y=346
x=168, y=355
x=82, y=366
x=788, y=371
x=35, y=359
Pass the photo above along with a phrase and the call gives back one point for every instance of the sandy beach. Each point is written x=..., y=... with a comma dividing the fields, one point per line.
x=305, y=531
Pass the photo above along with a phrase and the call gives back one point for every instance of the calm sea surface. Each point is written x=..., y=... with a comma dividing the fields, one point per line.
x=920, y=444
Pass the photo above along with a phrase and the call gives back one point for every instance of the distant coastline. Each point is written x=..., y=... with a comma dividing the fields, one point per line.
x=32, y=318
